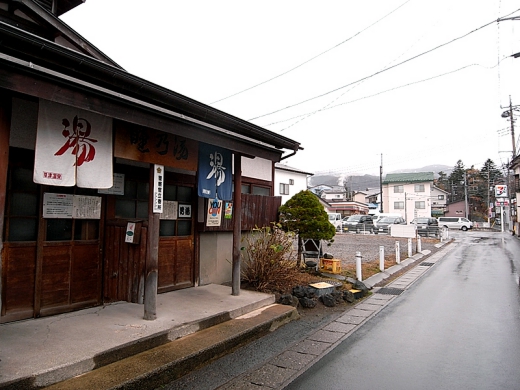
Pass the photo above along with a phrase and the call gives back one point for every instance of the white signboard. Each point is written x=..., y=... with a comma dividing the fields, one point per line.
x=158, y=185
x=130, y=232
x=57, y=205
x=86, y=207
x=118, y=188
x=71, y=206
x=169, y=209
x=500, y=191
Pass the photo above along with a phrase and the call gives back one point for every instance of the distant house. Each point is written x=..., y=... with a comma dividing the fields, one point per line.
x=334, y=194
x=408, y=194
x=439, y=199
x=456, y=209
x=370, y=195
x=289, y=181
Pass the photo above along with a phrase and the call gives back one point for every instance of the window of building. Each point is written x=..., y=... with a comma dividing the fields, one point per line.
x=420, y=204
x=21, y=218
x=284, y=189
x=291, y=182
x=134, y=202
x=256, y=189
x=399, y=205
x=181, y=226
x=419, y=188
x=398, y=189
x=440, y=197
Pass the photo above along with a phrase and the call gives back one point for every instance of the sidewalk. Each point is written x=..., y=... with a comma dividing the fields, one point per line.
x=39, y=352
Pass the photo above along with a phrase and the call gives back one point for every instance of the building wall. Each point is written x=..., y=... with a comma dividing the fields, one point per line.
x=283, y=176
x=216, y=257
x=257, y=168
x=408, y=197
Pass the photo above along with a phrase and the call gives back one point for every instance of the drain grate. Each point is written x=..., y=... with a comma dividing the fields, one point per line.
x=426, y=264
x=390, y=291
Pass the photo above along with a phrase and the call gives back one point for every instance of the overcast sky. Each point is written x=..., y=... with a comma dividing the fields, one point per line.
x=418, y=82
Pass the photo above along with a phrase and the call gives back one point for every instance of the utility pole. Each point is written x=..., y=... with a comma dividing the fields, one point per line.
x=488, y=209
x=512, y=127
x=466, y=193
x=381, y=184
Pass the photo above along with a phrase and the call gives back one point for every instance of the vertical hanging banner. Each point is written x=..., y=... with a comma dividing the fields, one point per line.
x=215, y=172
x=158, y=181
x=73, y=147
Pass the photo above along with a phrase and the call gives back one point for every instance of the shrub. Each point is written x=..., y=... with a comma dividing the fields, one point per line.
x=267, y=259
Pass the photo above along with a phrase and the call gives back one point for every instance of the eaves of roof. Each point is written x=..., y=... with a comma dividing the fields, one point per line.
x=415, y=177
x=287, y=168
x=49, y=55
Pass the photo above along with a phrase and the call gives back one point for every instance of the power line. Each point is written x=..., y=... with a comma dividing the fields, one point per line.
x=375, y=94
x=311, y=59
x=381, y=71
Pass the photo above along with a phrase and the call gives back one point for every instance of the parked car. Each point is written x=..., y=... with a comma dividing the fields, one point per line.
x=426, y=227
x=359, y=223
x=455, y=223
x=380, y=216
x=384, y=225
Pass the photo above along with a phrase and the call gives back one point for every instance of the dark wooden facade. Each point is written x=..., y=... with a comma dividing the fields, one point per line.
x=51, y=266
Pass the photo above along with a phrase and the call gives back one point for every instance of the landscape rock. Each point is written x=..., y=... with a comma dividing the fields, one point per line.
x=348, y=296
x=328, y=300
x=307, y=303
x=290, y=300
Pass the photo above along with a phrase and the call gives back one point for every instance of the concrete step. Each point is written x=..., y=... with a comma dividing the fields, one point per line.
x=165, y=363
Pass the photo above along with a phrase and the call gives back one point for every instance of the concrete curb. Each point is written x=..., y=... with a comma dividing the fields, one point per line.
x=157, y=366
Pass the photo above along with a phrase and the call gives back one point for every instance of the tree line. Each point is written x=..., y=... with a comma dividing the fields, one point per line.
x=476, y=184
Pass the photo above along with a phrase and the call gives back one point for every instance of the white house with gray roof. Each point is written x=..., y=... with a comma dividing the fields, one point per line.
x=408, y=194
x=289, y=181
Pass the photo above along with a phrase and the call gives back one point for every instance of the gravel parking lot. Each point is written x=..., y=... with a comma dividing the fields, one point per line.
x=346, y=245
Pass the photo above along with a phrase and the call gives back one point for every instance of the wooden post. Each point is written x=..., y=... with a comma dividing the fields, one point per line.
x=152, y=256
x=5, y=127
x=237, y=223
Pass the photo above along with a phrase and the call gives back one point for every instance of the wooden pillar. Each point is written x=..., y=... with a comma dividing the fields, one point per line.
x=237, y=223
x=152, y=256
x=5, y=128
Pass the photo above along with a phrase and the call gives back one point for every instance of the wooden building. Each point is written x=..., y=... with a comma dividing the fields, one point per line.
x=117, y=207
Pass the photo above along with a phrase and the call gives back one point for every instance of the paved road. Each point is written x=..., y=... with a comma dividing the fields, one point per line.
x=457, y=328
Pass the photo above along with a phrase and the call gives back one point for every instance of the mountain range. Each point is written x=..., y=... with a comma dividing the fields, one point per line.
x=362, y=182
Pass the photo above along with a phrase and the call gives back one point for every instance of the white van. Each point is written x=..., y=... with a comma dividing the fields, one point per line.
x=335, y=219
x=455, y=223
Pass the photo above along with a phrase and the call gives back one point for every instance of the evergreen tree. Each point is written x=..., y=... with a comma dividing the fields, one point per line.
x=304, y=215
x=456, y=181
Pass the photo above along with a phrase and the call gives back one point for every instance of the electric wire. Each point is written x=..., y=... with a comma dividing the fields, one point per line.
x=373, y=95
x=383, y=70
x=312, y=58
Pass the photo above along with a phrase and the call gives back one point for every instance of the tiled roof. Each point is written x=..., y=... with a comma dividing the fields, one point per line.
x=415, y=177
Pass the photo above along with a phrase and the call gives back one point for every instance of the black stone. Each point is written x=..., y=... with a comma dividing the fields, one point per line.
x=307, y=303
x=328, y=300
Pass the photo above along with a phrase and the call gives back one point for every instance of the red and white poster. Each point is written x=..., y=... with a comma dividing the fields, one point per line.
x=73, y=147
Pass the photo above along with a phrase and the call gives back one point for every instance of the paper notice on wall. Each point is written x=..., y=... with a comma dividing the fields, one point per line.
x=214, y=212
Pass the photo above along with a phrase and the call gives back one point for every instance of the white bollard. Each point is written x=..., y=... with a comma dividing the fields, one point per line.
x=381, y=258
x=359, y=275
x=410, y=250
x=419, y=246
x=397, y=253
